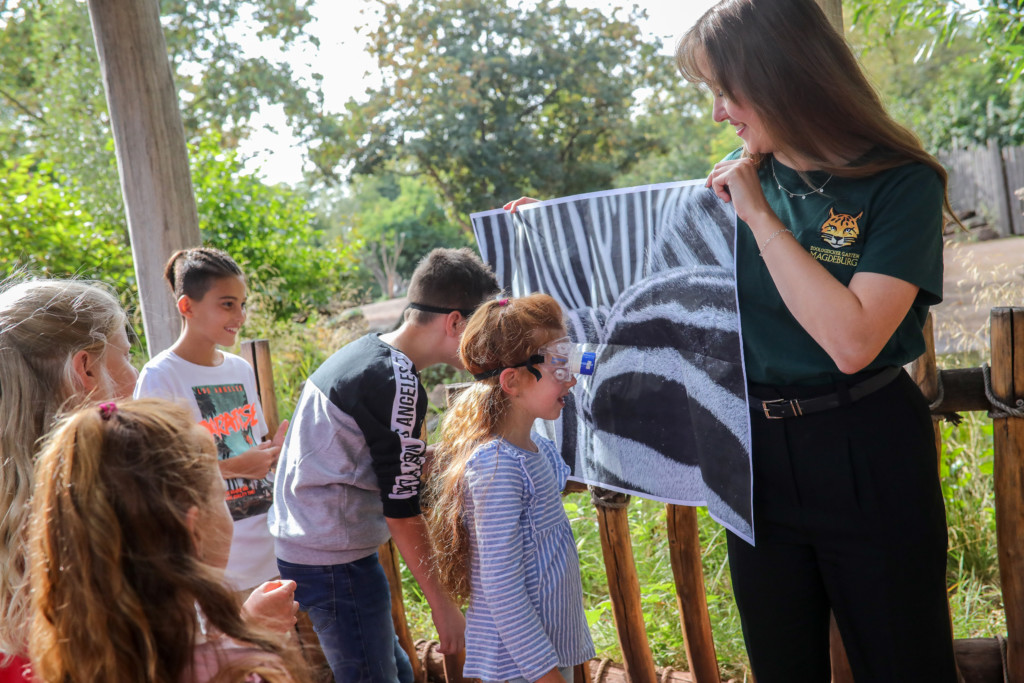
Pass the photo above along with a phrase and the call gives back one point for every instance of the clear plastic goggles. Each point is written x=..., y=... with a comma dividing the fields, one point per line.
x=562, y=358
x=565, y=359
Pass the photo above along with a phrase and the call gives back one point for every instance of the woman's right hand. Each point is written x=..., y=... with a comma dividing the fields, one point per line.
x=736, y=181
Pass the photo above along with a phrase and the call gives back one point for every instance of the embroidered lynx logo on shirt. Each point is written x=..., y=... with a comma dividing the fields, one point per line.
x=841, y=229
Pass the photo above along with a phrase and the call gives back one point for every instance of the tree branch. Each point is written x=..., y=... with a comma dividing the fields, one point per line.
x=21, y=106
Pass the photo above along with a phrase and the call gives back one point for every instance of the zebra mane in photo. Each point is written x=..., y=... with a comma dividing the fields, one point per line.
x=646, y=278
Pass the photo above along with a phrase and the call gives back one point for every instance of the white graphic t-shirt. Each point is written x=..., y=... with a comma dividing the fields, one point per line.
x=224, y=401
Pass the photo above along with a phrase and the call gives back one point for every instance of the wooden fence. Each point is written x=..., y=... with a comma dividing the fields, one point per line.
x=985, y=180
x=999, y=390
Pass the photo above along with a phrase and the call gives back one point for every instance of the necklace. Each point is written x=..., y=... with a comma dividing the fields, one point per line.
x=801, y=195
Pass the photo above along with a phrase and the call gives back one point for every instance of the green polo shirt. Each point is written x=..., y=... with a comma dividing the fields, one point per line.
x=889, y=223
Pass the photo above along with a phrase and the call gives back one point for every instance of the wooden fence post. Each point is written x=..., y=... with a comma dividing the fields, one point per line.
x=1008, y=436
x=623, y=585
x=1001, y=192
x=257, y=352
x=691, y=597
x=388, y=556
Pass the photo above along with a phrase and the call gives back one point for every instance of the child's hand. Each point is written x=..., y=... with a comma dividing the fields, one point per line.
x=282, y=429
x=513, y=205
x=272, y=606
x=451, y=628
x=255, y=463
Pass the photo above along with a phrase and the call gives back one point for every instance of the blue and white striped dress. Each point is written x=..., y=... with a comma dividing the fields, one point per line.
x=525, y=613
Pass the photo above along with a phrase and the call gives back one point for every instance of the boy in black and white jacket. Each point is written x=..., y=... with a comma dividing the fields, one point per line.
x=349, y=475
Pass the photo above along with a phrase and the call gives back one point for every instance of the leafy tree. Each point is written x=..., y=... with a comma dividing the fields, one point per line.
x=395, y=220
x=51, y=92
x=943, y=79
x=490, y=101
x=270, y=231
x=678, y=118
x=46, y=230
x=998, y=24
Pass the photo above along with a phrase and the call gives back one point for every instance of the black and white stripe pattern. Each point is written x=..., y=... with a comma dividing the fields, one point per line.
x=646, y=277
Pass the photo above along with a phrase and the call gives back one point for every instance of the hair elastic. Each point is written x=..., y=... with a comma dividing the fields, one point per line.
x=107, y=409
x=503, y=302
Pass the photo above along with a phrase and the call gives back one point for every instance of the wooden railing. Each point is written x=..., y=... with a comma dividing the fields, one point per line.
x=984, y=660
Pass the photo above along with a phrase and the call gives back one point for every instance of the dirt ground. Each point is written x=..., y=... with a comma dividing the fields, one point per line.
x=978, y=276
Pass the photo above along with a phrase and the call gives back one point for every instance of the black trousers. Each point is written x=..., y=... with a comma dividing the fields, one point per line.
x=848, y=517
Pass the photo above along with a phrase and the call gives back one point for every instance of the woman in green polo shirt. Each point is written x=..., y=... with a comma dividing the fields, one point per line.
x=839, y=256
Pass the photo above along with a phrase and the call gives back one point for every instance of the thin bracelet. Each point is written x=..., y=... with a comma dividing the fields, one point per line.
x=771, y=237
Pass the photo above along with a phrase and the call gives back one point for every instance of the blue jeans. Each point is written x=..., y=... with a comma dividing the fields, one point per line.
x=350, y=607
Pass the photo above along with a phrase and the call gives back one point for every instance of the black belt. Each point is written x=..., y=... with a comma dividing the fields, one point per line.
x=778, y=408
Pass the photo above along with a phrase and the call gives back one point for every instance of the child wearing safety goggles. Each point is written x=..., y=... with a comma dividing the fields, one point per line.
x=502, y=541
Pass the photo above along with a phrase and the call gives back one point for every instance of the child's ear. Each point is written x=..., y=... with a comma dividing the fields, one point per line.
x=509, y=379
x=185, y=306
x=86, y=369
x=454, y=324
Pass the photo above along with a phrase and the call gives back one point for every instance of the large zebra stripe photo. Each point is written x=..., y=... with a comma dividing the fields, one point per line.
x=646, y=277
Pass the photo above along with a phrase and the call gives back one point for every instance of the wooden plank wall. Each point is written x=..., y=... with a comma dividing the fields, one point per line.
x=985, y=179
x=1013, y=165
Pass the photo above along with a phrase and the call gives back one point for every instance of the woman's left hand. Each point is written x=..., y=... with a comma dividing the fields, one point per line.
x=736, y=181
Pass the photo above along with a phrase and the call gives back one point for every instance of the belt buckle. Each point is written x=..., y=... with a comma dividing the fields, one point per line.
x=766, y=407
x=794, y=407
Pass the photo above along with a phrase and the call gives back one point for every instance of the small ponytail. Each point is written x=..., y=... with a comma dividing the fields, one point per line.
x=191, y=272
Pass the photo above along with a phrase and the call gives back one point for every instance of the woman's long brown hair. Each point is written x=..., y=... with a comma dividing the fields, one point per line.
x=784, y=60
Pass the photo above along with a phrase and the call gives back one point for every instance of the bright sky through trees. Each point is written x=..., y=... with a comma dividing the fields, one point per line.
x=348, y=70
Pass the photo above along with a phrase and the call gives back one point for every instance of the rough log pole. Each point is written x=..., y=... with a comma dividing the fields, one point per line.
x=149, y=142
x=691, y=598
x=624, y=586
x=833, y=9
x=1008, y=439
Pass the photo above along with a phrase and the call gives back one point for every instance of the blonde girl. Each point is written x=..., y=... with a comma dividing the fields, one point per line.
x=62, y=343
x=501, y=538
x=126, y=551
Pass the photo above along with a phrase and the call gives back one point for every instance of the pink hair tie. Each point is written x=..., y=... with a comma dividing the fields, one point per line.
x=107, y=409
x=503, y=302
